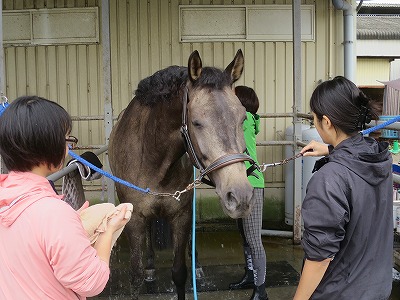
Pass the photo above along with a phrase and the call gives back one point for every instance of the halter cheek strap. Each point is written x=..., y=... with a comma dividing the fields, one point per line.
x=185, y=132
x=219, y=163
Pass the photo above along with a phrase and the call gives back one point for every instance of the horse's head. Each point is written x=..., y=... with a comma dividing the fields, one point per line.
x=215, y=122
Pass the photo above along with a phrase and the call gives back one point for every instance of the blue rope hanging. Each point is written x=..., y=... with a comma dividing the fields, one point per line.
x=194, y=239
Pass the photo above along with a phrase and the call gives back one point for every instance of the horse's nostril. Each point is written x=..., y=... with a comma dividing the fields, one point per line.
x=231, y=201
x=236, y=201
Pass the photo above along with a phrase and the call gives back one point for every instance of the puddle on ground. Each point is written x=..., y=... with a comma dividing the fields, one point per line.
x=220, y=255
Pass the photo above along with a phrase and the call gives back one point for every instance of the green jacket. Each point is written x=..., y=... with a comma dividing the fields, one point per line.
x=251, y=129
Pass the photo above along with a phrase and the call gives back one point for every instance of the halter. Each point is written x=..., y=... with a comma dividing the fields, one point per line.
x=219, y=163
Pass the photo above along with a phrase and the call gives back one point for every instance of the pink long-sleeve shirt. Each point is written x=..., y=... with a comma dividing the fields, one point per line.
x=44, y=250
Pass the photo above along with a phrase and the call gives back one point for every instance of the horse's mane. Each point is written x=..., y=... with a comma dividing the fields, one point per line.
x=161, y=85
x=166, y=83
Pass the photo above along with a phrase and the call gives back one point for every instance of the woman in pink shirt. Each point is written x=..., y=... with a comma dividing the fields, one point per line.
x=45, y=252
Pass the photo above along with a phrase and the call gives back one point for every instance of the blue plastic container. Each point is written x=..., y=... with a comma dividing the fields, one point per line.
x=396, y=169
x=388, y=133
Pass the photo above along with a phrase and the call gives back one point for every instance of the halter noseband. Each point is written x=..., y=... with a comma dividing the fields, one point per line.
x=219, y=163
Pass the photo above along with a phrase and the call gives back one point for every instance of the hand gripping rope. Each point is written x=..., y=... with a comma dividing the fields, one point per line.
x=264, y=166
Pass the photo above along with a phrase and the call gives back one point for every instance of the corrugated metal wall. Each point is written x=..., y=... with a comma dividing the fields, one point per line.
x=369, y=70
x=68, y=74
x=144, y=39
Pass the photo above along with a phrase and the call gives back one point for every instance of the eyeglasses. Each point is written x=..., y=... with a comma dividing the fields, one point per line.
x=71, y=141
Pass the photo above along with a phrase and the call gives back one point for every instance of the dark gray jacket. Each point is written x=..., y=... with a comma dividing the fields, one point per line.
x=348, y=216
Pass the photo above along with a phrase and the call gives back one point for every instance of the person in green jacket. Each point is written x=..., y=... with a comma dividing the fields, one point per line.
x=250, y=227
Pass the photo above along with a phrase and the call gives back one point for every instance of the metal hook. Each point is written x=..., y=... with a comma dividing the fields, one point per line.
x=177, y=195
x=263, y=167
x=3, y=102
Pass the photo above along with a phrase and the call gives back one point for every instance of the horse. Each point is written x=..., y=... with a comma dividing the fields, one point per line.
x=180, y=117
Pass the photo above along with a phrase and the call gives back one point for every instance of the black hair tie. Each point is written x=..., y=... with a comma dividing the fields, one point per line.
x=363, y=118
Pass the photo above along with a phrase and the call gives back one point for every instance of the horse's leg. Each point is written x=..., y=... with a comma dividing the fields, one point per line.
x=180, y=225
x=135, y=230
x=199, y=269
x=149, y=271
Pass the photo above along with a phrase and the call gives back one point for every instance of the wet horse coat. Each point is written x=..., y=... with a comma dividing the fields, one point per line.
x=147, y=148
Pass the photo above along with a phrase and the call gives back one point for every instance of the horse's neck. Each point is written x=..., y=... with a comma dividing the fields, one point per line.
x=161, y=141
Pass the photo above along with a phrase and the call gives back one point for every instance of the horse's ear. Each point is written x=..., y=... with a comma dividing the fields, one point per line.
x=194, y=65
x=235, y=68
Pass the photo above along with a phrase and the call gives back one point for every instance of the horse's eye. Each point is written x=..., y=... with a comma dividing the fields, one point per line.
x=197, y=124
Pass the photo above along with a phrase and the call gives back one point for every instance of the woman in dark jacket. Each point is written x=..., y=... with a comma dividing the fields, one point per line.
x=347, y=211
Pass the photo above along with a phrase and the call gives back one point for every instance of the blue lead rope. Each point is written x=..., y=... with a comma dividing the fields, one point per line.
x=106, y=174
x=380, y=126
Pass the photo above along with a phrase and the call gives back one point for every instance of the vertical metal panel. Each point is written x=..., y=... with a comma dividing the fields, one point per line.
x=369, y=70
x=297, y=79
x=123, y=52
x=108, y=110
x=31, y=63
x=394, y=69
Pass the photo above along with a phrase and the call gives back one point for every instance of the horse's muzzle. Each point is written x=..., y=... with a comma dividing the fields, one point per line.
x=236, y=202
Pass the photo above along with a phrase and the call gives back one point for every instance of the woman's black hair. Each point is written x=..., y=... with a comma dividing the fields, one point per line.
x=248, y=98
x=32, y=132
x=348, y=108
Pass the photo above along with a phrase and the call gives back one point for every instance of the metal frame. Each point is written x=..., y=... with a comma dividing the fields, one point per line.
x=108, y=111
x=296, y=16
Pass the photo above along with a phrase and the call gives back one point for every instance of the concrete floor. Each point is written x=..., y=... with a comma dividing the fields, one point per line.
x=221, y=248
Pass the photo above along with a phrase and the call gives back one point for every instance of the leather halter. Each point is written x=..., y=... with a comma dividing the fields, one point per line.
x=219, y=163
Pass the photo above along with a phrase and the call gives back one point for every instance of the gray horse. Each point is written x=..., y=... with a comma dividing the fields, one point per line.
x=147, y=148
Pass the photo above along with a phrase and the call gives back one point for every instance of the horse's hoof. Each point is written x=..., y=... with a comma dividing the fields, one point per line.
x=149, y=275
x=199, y=273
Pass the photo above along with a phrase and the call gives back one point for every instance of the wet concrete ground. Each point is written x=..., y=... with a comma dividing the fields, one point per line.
x=220, y=251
